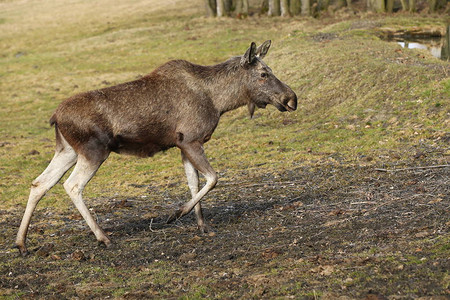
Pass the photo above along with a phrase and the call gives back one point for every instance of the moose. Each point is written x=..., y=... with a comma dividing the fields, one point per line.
x=178, y=104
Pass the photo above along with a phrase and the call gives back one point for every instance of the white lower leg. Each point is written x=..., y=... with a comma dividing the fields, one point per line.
x=194, y=159
x=84, y=211
x=74, y=186
x=211, y=180
x=192, y=178
x=61, y=162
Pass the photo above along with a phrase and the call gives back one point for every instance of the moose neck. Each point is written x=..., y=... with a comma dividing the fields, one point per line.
x=225, y=85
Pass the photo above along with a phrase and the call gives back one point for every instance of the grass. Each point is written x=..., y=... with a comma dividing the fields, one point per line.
x=362, y=101
x=348, y=104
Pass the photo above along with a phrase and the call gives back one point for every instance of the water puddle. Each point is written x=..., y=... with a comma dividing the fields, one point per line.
x=438, y=46
x=435, y=46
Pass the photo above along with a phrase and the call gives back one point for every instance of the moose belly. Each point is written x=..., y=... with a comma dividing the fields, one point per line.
x=141, y=148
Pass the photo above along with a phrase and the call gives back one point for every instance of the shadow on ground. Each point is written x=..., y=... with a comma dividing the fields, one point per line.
x=327, y=230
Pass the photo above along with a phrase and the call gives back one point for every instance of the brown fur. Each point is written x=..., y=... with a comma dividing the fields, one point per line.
x=145, y=116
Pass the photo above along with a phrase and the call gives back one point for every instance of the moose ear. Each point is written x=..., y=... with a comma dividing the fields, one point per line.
x=249, y=55
x=251, y=109
x=263, y=49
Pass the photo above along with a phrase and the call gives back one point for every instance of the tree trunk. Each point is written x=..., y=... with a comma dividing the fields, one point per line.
x=412, y=5
x=285, y=8
x=404, y=5
x=376, y=5
x=349, y=3
x=390, y=6
x=323, y=4
x=238, y=7
x=274, y=8
x=264, y=7
x=380, y=6
x=241, y=8
x=228, y=6
x=306, y=8
x=341, y=3
x=295, y=7
x=433, y=5
x=441, y=4
x=210, y=8
x=220, y=8
x=445, y=52
x=245, y=7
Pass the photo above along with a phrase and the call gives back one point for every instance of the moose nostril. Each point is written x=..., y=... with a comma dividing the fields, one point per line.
x=291, y=102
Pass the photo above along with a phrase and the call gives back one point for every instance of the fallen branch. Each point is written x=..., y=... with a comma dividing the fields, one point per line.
x=413, y=168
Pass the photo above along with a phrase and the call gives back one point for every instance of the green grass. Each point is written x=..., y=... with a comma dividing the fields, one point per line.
x=355, y=94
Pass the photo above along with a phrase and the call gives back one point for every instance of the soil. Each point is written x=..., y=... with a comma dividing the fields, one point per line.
x=331, y=229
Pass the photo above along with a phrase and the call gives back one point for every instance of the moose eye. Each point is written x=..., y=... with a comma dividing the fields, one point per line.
x=264, y=75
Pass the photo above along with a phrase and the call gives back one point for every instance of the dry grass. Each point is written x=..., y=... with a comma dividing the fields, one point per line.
x=344, y=78
x=299, y=209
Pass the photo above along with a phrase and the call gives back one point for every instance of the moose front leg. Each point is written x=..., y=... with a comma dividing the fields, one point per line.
x=194, y=159
x=192, y=178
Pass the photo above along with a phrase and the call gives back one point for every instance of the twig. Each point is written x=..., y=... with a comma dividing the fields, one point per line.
x=150, y=226
x=363, y=202
x=250, y=184
x=413, y=168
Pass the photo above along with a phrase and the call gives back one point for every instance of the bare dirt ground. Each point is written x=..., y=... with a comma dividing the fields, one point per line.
x=333, y=229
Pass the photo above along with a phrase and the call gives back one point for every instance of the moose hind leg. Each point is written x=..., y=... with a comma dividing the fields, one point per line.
x=65, y=157
x=84, y=170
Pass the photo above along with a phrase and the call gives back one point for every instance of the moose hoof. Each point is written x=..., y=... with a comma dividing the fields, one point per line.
x=206, y=229
x=107, y=243
x=175, y=216
x=22, y=250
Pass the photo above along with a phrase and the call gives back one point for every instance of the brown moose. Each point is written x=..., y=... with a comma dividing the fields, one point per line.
x=178, y=104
